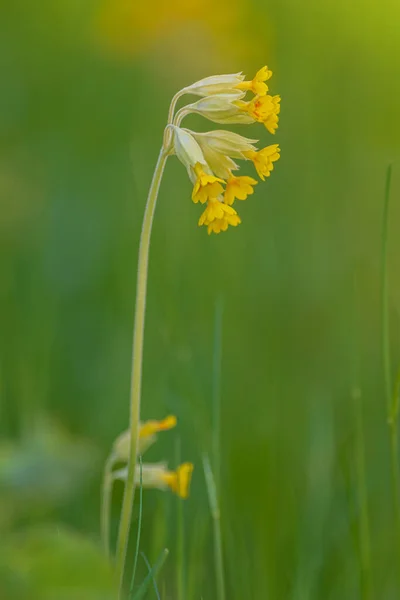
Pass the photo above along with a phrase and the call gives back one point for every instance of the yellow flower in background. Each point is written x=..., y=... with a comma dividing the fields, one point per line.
x=239, y=187
x=179, y=480
x=257, y=85
x=147, y=436
x=264, y=159
x=158, y=476
x=149, y=428
x=206, y=186
x=154, y=475
x=128, y=28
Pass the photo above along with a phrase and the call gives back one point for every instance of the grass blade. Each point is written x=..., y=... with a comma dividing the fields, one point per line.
x=139, y=524
x=180, y=536
x=216, y=517
x=216, y=391
x=151, y=576
x=390, y=393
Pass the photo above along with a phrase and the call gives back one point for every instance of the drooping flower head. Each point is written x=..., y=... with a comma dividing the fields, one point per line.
x=210, y=157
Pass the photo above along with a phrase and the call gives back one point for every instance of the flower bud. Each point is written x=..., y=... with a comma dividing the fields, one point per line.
x=216, y=84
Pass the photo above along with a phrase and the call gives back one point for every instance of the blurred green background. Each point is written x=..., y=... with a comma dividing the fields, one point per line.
x=307, y=499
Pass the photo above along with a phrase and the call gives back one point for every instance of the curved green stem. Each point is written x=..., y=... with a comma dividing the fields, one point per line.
x=173, y=105
x=181, y=114
x=137, y=360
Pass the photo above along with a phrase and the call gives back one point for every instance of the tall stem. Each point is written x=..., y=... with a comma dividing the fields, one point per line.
x=137, y=361
x=391, y=396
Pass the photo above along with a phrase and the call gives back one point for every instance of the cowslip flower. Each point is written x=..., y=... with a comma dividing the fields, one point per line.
x=264, y=159
x=264, y=109
x=147, y=436
x=257, y=85
x=210, y=157
x=154, y=475
x=158, y=476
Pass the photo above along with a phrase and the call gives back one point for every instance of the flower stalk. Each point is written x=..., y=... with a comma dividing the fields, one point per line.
x=137, y=362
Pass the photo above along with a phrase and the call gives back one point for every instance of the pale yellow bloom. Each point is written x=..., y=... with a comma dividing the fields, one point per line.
x=188, y=150
x=218, y=216
x=239, y=187
x=224, y=142
x=147, y=436
x=158, y=476
x=257, y=85
x=206, y=186
x=221, y=108
x=264, y=159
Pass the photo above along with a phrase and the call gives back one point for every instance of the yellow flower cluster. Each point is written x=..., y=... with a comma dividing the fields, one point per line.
x=209, y=156
x=153, y=475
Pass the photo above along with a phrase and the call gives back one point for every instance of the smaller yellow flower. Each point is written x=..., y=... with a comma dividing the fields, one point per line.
x=239, y=187
x=147, y=437
x=157, y=475
x=179, y=481
x=218, y=216
x=264, y=109
x=149, y=428
x=257, y=85
x=264, y=159
x=206, y=186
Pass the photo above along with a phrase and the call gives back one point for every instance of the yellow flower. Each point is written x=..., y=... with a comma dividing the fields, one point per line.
x=238, y=187
x=149, y=428
x=222, y=224
x=218, y=216
x=264, y=159
x=257, y=85
x=264, y=109
x=206, y=186
x=157, y=475
x=179, y=480
x=147, y=437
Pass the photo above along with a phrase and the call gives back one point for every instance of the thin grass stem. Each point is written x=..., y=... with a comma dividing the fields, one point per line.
x=216, y=392
x=139, y=523
x=180, y=536
x=390, y=393
x=364, y=529
x=216, y=517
